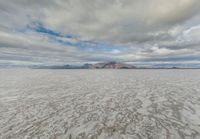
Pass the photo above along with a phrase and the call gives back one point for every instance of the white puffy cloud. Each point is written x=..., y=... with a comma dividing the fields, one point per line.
x=149, y=29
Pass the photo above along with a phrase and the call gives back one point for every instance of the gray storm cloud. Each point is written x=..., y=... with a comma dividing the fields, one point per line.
x=149, y=29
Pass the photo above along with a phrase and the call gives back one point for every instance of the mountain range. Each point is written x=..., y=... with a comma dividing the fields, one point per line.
x=105, y=65
x=108, y=65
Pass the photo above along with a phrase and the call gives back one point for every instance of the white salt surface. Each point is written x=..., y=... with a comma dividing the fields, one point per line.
x=103, y=104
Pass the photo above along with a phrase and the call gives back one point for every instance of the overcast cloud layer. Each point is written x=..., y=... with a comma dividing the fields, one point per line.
x=49, y=32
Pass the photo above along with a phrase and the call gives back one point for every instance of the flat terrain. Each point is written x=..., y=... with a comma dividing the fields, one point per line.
x=91, y=104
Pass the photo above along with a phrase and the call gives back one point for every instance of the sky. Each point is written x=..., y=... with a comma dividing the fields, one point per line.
x=139, y=32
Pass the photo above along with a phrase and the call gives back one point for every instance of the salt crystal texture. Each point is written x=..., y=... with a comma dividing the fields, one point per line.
x=103, y=104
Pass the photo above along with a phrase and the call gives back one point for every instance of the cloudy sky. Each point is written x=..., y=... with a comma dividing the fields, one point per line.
x=141, y=32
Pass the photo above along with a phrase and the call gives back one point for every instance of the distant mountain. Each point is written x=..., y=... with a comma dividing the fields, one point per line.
x=106, y=65
x=109, y=65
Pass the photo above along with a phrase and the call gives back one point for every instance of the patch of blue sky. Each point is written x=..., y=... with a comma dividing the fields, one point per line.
x=41, y=29
x=89, y=46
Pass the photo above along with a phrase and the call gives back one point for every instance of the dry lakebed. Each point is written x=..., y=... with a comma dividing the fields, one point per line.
x=99, y=104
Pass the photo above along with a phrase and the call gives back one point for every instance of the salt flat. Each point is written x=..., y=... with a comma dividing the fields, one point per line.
x=90, y=104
